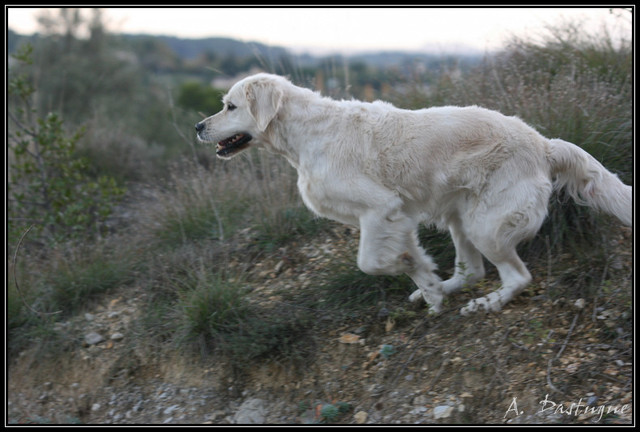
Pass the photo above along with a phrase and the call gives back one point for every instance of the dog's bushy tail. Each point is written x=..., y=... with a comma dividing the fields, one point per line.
x=588, y=182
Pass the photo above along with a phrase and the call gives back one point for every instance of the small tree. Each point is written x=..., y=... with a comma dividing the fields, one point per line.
x=50, y=186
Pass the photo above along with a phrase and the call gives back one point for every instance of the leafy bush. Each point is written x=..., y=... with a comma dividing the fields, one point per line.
x=50, y=185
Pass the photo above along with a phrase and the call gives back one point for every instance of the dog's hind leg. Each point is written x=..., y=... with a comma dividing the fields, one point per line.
x=500, y=222
x=501, y=253
x=469, y=266
x=389, y=246
x=514, y=276
x=499, y=246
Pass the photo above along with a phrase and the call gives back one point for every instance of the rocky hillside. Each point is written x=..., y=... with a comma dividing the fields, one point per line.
x=543, y=359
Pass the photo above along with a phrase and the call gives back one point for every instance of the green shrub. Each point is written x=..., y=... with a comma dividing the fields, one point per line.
x=332, y=412
x=51, y=186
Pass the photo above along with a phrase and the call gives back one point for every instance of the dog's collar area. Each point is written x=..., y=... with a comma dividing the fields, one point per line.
x=233, y=144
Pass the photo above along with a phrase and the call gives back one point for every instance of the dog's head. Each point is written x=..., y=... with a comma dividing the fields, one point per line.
x=249, y=108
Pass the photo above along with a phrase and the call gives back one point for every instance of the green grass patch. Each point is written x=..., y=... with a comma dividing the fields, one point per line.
x=70, y=279
x=213, y=315
x=210, y=303
x=345, y=288
x=285, y=225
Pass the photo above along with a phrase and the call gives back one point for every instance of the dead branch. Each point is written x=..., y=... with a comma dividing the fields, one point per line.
x=557, y=356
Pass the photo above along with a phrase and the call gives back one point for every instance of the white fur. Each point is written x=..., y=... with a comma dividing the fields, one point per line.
x=484, y=176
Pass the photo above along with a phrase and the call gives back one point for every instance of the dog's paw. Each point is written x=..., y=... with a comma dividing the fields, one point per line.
x=435, y=309
x=415, y=296
x=490, y=303
x=434, y=301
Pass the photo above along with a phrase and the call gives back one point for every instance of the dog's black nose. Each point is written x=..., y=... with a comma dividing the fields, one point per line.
x=199, y=126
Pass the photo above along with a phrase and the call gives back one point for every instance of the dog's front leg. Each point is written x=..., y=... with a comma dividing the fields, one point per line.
x=423, y=274
x=429, y=289
x=389, y=246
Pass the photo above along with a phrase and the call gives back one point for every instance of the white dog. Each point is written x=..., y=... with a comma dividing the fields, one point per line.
x=484, y=176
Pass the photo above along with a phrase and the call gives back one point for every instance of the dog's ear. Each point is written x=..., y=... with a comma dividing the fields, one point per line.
x=264, y=102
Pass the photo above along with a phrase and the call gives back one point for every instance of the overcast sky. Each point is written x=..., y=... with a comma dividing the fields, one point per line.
x=347, y=30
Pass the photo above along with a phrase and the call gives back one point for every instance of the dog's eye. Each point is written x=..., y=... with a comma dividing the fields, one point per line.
x=231, y=106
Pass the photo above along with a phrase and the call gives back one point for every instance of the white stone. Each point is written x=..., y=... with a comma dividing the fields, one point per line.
x=93, y=338
x=360, y=417
x=442, y=411
x=252, y=411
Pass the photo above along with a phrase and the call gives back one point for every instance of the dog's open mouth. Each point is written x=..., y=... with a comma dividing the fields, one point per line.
x=233, y=144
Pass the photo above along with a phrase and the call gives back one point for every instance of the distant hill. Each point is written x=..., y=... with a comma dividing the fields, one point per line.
x=394, y=58
x=186, y=49
x=189, y=49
